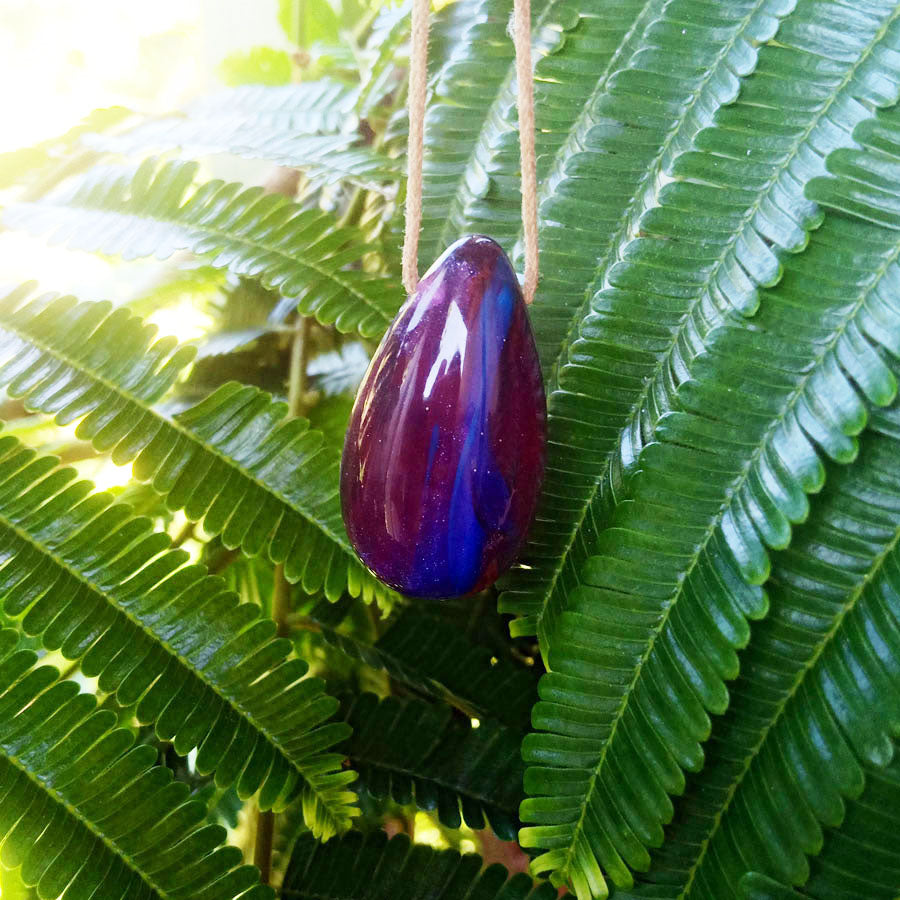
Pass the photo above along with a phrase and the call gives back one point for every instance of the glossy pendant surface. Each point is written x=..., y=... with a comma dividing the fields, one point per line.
x=444, y=454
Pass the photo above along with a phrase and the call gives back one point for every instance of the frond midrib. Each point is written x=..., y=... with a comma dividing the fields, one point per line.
x=173, y=423
x=628, y=220
x=85, y=822
x=736, y=484
x=256, y=245
x=441, y=691
x=827, y=638
x=433, y=779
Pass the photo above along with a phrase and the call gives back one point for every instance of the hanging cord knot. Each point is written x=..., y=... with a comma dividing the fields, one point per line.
x=418, y=82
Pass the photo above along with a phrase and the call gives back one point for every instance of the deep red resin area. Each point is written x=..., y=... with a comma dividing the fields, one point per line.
x=444, y=455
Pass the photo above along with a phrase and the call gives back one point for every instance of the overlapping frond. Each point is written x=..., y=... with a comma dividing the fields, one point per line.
x=818, y=699
x=682, y=63
x=87, y=814
x=294, y=136
x=157, y=210
x=370, y=867
x=483, y=194
x=862, y=180
x=436, y=659
x=19, y=166
x=859, y=859
x=247, y=114
x=98, y=584
x=641, y=655
x=424, y=753
x=234, y=462
x=471, y=95
x=311, y=126
x=386, y=42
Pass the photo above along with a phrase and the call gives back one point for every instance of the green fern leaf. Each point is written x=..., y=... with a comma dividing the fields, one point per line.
x=620, y=149
x=859, y=859
x=434, y=658
x=819, y=692
x=248, y=115
x=416, y=752
x=86, y=814
x=657, y=303
x=390, y=33
x=99, y=585
x=863, y=180
x=472, y=154
x=370, y=867
x=630, y=686
x=232, y=462
x=324, y=157
x=157, y=210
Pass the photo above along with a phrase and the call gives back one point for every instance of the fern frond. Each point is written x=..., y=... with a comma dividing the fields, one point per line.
x=701, y=252
x=859, y=859
x=248, y=114
x=371, y=867
x=157, y=210
x=422, y=753
x=339, y=371
x=619, y=149
x=632, y=679
x=434, y=658
x=818, y=698
x=471, y=95
x=390, y=34
x=99, y=584
x=324, y=158
x=472, y=162
x=862, y=181
x=233, y=462
x=87, y=814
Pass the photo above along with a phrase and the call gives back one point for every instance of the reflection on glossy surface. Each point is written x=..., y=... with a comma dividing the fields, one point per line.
x=444, y=453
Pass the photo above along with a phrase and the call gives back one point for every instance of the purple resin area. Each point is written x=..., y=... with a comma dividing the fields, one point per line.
x=444, y=455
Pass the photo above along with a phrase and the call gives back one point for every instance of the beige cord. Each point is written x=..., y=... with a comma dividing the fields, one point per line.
x=418, y=76
x=525, y=101
x=418, y=79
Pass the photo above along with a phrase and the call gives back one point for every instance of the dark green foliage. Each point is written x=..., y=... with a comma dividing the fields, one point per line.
x=744, y=446
x=859, y=859
x=613, y=346
x=817, y=688
x=231, y=462
x=425, y=653
x=415, y=752
x=97, y=583
x=86, y=813
x=370, y=867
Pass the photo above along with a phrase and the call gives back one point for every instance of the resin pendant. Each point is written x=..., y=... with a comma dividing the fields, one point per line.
x=444, y=454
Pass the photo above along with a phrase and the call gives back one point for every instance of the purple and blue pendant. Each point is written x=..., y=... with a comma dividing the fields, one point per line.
x=444, y=455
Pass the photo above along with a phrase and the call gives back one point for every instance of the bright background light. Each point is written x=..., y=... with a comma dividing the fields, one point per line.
x=61, y=59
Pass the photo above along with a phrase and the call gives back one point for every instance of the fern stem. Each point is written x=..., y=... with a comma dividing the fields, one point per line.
x=281, y=590
x=297, y=381
x=184, y=535
x=262, y=850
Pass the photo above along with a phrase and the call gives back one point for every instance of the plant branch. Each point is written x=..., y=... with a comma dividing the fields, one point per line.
x=281, y=592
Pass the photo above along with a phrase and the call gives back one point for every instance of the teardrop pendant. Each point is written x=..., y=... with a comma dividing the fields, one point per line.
x=444, y=454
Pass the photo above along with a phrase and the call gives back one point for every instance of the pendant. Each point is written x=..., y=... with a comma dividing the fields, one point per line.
x=444, y=454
